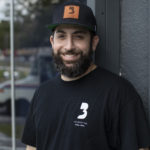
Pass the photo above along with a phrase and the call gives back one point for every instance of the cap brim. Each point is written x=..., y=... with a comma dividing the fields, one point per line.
x=53, y=26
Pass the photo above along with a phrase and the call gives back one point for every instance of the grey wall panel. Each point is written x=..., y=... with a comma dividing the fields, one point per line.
x=108, y=16
x=101, y=22
x=134, y=45
x=149, y=58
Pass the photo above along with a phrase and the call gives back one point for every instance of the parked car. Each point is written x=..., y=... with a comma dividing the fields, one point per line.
x=41, y=70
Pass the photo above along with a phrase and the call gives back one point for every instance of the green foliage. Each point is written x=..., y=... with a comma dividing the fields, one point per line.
x=6, y=129
x=4, y=35
x=1, y=75
x=30, y=27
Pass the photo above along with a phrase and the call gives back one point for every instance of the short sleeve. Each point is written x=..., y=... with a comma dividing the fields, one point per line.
x=134, y=128
x=29, y=133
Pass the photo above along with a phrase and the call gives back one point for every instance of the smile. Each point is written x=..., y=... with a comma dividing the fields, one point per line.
x=70, y=57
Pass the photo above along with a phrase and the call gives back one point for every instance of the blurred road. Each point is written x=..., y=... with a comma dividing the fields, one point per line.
x=5, y=143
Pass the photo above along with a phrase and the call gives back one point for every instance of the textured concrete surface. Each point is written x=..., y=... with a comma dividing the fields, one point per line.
x=135, y=45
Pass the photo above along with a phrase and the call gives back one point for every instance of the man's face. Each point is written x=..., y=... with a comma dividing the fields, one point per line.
x=72, y=49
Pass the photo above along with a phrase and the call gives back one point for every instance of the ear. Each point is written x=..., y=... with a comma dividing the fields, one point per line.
x=95, y=42
x=51, y=39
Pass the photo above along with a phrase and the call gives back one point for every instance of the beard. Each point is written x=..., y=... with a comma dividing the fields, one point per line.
x=78, y=67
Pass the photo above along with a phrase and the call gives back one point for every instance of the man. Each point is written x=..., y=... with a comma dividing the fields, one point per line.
x=85, y=107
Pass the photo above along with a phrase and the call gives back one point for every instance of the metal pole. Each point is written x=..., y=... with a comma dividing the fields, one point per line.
x=12, y=74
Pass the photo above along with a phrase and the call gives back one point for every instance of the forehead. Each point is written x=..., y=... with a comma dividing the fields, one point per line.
x=71, y=29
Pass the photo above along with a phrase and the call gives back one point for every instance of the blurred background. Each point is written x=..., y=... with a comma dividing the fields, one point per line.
x=33, y=62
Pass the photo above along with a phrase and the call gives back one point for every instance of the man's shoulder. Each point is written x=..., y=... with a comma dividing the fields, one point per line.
x=113, y=82
x=111, y=78
x=121, y=92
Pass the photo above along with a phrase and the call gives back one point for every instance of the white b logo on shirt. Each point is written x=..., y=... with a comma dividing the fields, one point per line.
x=84, y=107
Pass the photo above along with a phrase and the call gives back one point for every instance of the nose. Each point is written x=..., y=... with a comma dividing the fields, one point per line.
x=69, y=43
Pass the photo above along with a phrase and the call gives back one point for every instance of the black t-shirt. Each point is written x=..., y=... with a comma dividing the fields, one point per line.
x=100, y=111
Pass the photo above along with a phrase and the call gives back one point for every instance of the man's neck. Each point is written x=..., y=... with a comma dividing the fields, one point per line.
x=91, y=68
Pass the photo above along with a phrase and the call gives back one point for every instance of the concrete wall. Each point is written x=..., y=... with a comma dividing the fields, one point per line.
x=134, y=55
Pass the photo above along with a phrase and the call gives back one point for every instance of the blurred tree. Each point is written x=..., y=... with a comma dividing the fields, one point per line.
x=32, y=24
x=4, y=35
x=31, y=20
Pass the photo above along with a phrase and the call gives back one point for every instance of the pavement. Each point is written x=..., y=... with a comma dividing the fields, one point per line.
x=7, y=119
x=6, y=143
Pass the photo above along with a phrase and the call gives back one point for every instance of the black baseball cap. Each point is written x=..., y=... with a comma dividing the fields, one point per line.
x=75, y=13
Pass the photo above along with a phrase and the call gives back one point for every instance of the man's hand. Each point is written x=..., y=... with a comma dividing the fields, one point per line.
x=144, y=149
x=30, y=148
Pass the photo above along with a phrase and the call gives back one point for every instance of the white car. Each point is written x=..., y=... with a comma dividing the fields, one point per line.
x=41, y=71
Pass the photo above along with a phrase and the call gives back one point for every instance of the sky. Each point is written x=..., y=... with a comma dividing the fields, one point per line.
x=2, y=9
x=18, y=7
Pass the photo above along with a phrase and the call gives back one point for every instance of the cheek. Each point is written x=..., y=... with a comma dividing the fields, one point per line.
x=85, y=44
x=85, y=47
x=56, y=48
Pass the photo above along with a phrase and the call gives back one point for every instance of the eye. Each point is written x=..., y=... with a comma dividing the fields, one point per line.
x=60, y=36
x=79, y=36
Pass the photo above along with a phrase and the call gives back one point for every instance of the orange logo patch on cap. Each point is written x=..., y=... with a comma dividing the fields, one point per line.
x=71, y=11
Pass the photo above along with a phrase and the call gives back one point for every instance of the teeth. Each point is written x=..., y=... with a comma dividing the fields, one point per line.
x=70, y=55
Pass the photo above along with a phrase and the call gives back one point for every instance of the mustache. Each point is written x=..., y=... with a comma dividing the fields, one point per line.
x=71, y=51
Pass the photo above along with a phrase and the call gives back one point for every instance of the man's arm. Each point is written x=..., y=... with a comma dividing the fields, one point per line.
x=33, y=148
x=30, y=148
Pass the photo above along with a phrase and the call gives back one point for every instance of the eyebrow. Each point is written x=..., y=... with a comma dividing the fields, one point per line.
x=80, y=32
